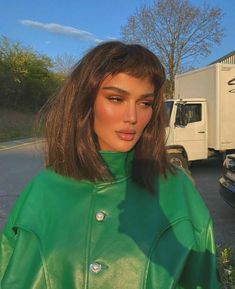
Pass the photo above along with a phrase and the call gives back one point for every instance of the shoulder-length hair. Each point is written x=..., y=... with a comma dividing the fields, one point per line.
x=71, y=144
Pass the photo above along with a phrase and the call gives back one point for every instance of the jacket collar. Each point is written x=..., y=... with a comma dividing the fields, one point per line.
x=118, y=163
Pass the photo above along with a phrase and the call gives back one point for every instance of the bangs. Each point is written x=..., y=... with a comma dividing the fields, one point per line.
x=136, y=61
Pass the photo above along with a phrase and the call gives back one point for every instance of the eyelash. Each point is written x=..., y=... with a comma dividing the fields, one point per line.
x=120, y=99
x=148, y=103
x=115, y=98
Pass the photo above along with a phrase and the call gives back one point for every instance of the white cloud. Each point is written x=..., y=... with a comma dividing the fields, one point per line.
x=113, y=38
x=61, y=29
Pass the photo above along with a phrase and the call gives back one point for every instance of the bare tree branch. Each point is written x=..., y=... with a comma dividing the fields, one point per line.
x=64, y=63
x=176, y=30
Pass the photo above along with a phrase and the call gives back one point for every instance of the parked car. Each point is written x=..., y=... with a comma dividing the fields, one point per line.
x=227, y=181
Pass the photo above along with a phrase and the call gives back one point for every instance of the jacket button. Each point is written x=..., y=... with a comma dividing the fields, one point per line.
x=100, y=216
x=95, y=267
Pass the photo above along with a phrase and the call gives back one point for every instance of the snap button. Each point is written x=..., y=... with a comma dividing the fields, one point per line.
x=100, y=216
x=95, y=267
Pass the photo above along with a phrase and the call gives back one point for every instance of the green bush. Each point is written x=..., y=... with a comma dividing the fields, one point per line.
x=26, y=77
x=226, y=267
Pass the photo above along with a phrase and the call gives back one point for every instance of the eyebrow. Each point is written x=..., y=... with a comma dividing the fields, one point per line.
x=124, y=92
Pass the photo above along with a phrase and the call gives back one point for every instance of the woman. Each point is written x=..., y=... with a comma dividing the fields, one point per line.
x=109, y=212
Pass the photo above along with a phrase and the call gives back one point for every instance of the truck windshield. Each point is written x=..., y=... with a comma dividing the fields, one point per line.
x=168, y=107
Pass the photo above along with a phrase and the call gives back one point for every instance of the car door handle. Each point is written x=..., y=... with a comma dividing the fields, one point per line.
x=201, y=131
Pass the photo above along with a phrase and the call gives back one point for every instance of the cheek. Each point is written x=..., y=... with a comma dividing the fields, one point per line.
x=104, y=114
x=145, y=118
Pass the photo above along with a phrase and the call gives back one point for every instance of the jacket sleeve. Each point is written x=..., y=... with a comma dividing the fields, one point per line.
x=200, y=270
x=8, y=236
x=7, y=244
x=21, y=263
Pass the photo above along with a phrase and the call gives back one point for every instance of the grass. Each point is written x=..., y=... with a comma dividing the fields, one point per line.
x=16, y=125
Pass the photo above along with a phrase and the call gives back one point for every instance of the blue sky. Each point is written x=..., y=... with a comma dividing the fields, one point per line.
x=56, y=27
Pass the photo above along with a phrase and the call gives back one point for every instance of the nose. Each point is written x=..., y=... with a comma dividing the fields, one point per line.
x=130, y=113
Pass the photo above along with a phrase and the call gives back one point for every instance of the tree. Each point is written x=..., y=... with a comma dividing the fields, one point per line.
x=176, y=31
x=26, y=79
x=64, y=63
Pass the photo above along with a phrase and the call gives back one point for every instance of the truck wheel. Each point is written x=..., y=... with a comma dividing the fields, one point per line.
x=178, y=160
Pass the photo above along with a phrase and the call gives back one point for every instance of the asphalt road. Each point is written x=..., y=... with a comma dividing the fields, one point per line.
x=206, y=174
x=18, y=165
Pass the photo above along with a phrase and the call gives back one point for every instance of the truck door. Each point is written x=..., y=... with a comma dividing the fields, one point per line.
x=192, y=135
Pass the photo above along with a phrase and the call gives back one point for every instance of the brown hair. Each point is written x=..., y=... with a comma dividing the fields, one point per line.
x=72, y=146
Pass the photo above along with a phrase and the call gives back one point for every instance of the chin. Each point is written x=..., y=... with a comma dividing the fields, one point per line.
x=118, y=146
x=124, y=148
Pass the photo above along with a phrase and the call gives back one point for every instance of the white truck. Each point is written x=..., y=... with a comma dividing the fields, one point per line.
x=201, y=117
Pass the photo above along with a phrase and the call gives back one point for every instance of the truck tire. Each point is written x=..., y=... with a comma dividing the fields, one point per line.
x=178, y=160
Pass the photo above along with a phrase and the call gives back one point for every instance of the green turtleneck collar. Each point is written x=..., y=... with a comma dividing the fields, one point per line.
x=118, y=163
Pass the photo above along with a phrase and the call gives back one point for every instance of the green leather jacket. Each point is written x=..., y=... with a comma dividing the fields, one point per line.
x=67, y=234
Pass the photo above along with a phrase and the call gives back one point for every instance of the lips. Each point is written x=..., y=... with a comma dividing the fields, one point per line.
x=126, y=135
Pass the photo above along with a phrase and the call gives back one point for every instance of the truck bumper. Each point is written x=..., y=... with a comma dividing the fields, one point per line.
x=227, y=191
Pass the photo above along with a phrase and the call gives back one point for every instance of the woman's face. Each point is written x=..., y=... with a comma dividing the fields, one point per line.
x=122, y=109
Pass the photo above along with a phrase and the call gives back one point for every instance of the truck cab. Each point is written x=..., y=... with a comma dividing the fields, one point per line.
x=201, y=117
x=186, y=130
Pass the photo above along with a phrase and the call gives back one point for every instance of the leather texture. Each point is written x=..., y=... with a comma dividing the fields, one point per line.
x=54, y=239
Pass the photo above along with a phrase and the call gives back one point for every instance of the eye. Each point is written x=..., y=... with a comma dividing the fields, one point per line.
x=115, y=98
x=147, y=103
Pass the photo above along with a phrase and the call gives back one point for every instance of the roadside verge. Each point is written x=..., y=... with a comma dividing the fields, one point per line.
x=18, y=143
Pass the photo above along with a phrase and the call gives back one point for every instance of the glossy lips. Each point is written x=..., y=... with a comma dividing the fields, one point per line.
x=126, y=135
